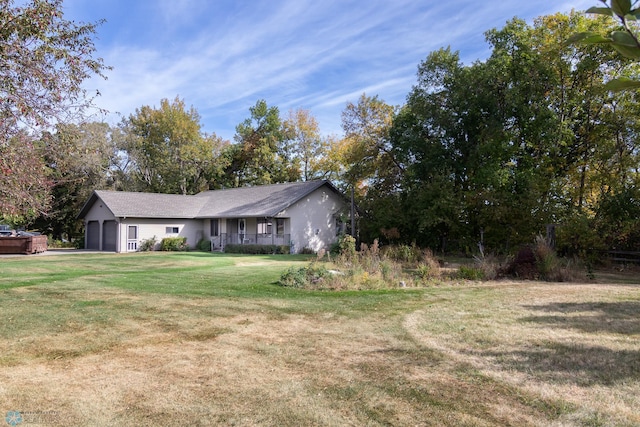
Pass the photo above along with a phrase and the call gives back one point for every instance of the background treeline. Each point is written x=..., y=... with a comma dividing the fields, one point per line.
x=488, y=152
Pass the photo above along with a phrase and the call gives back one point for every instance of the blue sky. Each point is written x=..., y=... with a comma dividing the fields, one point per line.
x=221, y=56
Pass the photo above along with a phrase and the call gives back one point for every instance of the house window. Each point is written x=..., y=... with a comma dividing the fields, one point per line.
x=339, y=226
x=172, y=230
x=264, y=226
x=214, y=227
x=280, y=226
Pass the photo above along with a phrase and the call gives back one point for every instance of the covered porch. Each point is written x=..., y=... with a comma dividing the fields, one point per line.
x=249, y=231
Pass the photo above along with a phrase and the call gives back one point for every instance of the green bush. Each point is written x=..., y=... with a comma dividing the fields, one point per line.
x=404, y=253
x=148, y=244
x=204, y=245
x=347, y=246
x=470, y=273
x=55, y=243
x=256, y=249
x=311, y=276
x=174, y=244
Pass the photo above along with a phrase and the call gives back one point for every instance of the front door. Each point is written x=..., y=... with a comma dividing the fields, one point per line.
x=132, y=238
x=242, y=229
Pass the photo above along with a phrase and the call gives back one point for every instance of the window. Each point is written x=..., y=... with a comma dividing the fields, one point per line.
x=214, y=227
x=132, y=232
x=172, y=230
x=264, y=226
x=280, y=226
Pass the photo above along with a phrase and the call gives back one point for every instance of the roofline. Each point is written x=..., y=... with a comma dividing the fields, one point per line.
x=319, y=184
x=95, y=196
x=88, y=204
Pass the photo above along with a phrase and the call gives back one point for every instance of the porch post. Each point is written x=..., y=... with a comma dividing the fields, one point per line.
x=101, y=222
x=353, y=214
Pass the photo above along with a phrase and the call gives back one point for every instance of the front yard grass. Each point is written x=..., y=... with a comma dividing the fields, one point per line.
x=207, y=339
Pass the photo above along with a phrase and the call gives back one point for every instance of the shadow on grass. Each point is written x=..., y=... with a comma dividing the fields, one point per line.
x=573, y=364
x=611, y=317
x=577, y=363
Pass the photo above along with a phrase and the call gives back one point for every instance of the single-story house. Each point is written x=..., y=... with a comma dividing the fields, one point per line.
x=299, y=215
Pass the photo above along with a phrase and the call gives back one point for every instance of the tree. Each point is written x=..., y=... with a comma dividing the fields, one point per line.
x=624, y=40
x=80, y=160
x=24, y=180
x=304, y=144
x=214, y=173
x=368, y=162
x=498, y=149
x=167, y=152
x=366, y=126
x=260, y=156
x=45, y=60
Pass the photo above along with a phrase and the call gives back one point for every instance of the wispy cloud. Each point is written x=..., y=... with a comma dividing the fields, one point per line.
x=222, y=56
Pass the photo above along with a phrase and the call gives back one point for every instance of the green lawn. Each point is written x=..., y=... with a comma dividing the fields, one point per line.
x=208, y=339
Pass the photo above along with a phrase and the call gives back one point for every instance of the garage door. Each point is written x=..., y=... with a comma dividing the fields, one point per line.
x=109, y=236
x=93, y=235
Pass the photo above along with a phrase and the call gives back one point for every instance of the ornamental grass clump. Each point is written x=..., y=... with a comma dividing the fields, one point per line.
x=428, y=266
x=539, y=262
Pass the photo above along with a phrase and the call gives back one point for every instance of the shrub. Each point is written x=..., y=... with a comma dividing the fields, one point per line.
x=369, y=257
x=539, y=262
x=523, y=265
x=489, y=265
x=312, y=276
x=78, y=243
x=256, y=249
x=204, y=245
x=174, y=244
x=347, y=245
x=428, y=267
x=470, y=273
x=403, y=253
x=55, y=243
x=148, y=244
x=547, y=261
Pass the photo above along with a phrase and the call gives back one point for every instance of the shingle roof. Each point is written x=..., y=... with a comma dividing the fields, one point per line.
x=259, y=201
x=150, y=205
x=263, y=200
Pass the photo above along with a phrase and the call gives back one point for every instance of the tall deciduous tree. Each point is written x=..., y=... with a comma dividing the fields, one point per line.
x=306, y=147
x=497, y=149
x=260, y=155
x=80, y=160
x=368, y=153
x=167, y=150
x=369, y=162
x=45, y=60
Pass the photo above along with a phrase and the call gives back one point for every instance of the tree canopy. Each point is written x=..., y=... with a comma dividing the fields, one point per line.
x=485, y=153
x=45, y=60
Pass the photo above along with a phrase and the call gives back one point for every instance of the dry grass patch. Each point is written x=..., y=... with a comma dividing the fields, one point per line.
x=110, y=352
x=567, y=343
